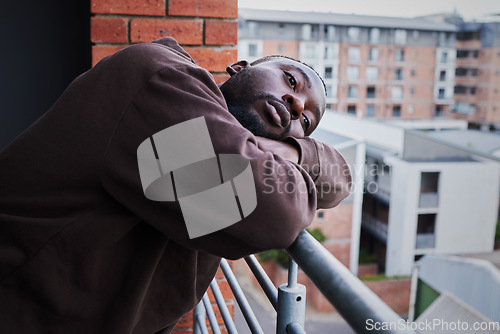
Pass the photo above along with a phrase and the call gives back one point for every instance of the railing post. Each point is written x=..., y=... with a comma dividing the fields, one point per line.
x=291, y=301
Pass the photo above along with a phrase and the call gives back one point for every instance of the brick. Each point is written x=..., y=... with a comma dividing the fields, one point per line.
x=132, y=7
x=224, y=288
x=204, y=8
x=109, y=30
x=187, y=320
x=184, y=31
x=101, y=51
x=213, y=59
x=221, y=32
x=220, y=78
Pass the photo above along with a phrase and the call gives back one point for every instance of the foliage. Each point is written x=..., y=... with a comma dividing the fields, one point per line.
x=381, y=277
x=366, y=258
x=280, y=256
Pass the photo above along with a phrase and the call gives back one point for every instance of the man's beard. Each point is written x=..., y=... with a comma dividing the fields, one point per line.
x=250, y=120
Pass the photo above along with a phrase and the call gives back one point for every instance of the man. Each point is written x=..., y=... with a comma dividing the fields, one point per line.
x=82, y=250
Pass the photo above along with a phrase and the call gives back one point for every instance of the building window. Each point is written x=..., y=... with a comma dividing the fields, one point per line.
x=352, y=91
x=331, y=52
x=370, y=110
x=371, y=73
x=444, y=57
x=252, y=50
x=439, y=111
x=473, y=72
x=281, y=48
x=442, y=76
x=460, y=72
x=351, y=109
x=415, y=34
x=353, y=34
x=329, y=91
x=253, y=28
x=442, y=38
x=306, y=32
x=411, y=109
x=399, y=55
x=475, y=53
x=441, y=93
x=281, y=28
x=370, y=92
x=464, y=108
x=310, y=51
x=412, y=90
x=373, y=54
x=328, y=72
x=460, y=89
x=462, y=53
x=400, y=36
x=396, y=111
x=374, y=35
x=426, y=231
x=397, y=93
x=354, y=54
x=330, y=33
x=472, y=90
x=353, y=73
x=398, y=74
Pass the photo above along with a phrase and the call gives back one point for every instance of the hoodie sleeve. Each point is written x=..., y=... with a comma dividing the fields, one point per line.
x=174, y=91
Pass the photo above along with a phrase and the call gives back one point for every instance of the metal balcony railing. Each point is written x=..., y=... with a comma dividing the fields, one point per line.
x=354, y=301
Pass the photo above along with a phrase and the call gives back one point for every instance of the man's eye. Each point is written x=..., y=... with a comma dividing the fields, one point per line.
x=307, y=123
x=291, y=80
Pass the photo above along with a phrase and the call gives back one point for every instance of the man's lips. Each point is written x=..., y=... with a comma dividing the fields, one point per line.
x=278, y=113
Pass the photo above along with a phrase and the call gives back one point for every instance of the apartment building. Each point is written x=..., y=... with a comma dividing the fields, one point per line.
x=477, y=89
x=373, y=66
x=422, y=195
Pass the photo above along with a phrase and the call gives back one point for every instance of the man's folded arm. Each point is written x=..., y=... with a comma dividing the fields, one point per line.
x=180, y=91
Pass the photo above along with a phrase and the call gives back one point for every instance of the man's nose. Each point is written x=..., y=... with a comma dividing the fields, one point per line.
x=295, y=105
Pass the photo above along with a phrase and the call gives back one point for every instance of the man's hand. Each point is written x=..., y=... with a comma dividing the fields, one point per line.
x=286, y=150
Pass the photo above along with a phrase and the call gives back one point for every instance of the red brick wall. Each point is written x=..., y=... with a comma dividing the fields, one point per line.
x=206, y=29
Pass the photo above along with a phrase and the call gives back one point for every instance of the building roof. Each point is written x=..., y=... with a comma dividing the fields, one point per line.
x=487, y=143
x=448, y=309
x=330, y=137
x=474, y=280
x=343, y=19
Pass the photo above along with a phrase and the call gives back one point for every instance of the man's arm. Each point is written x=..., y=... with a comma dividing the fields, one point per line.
x=327, y=167
x=282, y=148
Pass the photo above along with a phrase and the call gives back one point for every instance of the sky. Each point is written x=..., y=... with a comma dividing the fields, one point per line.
x=468, y=9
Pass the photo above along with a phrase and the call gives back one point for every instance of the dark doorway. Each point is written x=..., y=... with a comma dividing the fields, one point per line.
x=44, y=46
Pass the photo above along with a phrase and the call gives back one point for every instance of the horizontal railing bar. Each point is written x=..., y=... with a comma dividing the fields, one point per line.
x=250, y=317
x=264, y=280
x=224, y=311
x=211, y=315
x=295, y=328
x=352, y=298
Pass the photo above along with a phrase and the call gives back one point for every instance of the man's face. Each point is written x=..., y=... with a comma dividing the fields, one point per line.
x=276, y=98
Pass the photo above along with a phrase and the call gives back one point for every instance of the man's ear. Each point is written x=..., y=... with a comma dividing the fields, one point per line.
x=236, y=67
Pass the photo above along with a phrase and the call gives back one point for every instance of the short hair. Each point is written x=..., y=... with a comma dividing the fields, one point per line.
x=273, y=57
